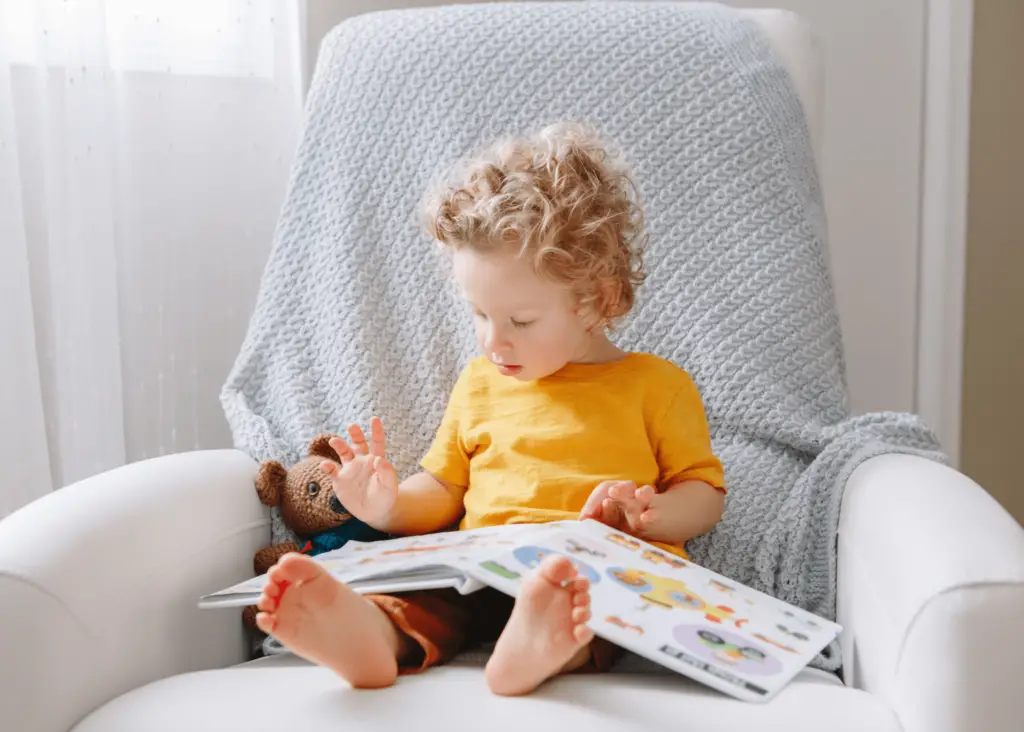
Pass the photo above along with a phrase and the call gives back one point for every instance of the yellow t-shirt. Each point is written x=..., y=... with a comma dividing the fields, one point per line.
x=532, y=452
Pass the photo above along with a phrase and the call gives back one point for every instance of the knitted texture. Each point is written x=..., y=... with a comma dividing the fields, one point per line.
x=357, y=317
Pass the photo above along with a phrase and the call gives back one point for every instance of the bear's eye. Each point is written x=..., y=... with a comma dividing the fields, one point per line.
x=313, y=488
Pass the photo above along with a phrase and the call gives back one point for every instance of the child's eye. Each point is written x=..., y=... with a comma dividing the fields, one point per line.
x=520, y=324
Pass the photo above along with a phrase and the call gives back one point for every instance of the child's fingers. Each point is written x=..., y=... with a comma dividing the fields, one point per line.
x=645, y=495
x=341, y=447
x=377, y=442
x=634, y=516
x=611, y=513
x=329, y=467
x=623, y=490
x=592, y=508
x=386, y=471
x=592, y=512
x=355, y=433
x=647, y=519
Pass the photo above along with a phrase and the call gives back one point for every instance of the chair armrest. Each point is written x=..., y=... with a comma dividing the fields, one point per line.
x=99, y=582
x=931, y=595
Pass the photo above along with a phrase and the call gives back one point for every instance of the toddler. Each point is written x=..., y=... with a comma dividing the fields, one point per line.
x=552, y=421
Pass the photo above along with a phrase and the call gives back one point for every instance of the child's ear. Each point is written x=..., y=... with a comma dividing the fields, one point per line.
x=602, y=306
x=590, y=315
x=609, y=300
x=270, y=483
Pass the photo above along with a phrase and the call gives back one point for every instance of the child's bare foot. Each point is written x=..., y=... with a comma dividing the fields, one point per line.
x=546, y=633
x=325, y=622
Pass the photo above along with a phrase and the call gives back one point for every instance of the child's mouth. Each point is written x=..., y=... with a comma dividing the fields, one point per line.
x=508, y=370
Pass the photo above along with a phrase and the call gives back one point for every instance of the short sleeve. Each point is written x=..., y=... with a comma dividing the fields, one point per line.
x=682, y=441
x=447, y=459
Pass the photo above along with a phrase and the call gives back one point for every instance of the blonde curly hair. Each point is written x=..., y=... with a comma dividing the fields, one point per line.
x=561, y=200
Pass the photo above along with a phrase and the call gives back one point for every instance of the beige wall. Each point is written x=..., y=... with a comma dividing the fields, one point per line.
x=992, y=426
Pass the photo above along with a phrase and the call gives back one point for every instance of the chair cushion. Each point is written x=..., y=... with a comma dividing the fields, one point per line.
x=285, y=693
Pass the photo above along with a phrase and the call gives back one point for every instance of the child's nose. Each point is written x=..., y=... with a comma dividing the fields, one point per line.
x=495, y=339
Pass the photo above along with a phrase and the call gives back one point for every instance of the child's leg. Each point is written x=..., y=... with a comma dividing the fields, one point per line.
x=432, y=623
x=325, y=622
x=366, y=640
x=546, y=634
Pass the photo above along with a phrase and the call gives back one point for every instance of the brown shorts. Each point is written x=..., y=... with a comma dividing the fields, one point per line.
x=443, y=622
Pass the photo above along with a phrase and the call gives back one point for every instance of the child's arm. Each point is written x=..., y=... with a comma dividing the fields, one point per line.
x=367, y=486
x=681, y=512
x=424, y=504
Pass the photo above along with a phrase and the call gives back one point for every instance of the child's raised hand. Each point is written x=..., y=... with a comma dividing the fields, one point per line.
x=365, y=482
x=621, y=505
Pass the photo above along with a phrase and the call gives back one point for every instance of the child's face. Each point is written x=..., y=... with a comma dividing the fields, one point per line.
x=528, y=326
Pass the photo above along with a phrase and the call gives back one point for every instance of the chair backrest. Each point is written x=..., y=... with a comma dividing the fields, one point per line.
x=355, y=318
x=696, y=97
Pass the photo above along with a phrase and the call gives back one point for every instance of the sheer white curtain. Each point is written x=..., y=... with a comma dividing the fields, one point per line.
x=144, y=153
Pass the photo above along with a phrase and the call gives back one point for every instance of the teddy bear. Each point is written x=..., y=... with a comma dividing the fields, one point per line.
x=308, y=507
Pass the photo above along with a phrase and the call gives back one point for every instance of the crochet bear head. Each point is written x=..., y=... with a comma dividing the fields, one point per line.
x=303, y=492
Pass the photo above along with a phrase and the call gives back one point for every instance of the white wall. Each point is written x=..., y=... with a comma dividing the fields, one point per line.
x=873, y=53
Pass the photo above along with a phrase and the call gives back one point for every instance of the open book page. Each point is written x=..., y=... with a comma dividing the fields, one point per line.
x=455, y=549
x=409, y=563
x=698, y=623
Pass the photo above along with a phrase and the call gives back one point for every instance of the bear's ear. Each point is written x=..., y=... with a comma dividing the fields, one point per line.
x=320, y=447
x=270, y=483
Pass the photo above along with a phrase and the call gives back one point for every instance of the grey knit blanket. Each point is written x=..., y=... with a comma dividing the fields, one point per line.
x=355, y=316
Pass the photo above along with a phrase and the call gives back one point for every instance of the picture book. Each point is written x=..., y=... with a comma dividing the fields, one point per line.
x=658, y=605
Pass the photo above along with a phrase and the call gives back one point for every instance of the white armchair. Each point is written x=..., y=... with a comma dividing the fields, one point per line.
x=100, y=629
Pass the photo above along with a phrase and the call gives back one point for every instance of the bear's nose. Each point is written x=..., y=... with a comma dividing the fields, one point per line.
x=335, y=504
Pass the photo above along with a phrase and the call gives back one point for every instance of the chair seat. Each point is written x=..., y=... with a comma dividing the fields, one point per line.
x=285, y=693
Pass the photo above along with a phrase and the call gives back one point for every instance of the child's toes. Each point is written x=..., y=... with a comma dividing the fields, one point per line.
x=295, y=568
x=580, y=584
x=276, y=574
x=557, y=570
x=272, y=589
x=265, y=622
x=581, y=598
x=267, y=604
x=582, y=633
x=580, y=615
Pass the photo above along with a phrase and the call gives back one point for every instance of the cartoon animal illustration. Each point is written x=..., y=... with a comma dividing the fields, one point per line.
x=726, y=652
x=499, y=569
x=658, y=558
x=532, y=556
x=624, y=541
x=671, y=593
x=576, y=548
x=613, y=620
x=724, y=648
x=778, y=645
